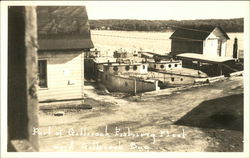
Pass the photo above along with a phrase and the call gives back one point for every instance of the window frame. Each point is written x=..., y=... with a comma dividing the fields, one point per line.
x=135, y=67
x=46, y=73
x=127, y=68
x=115, y=68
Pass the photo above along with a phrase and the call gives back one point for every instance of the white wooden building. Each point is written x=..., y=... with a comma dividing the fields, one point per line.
x=63, y=38
x=211, y=42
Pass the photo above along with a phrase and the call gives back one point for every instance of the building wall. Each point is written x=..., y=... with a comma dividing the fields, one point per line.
x=65, y=75
x=183, y=46
x=116, y=83
x=224, y=49
x=210, y=45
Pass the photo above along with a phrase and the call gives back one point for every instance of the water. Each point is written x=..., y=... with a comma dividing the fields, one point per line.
x=108, y=41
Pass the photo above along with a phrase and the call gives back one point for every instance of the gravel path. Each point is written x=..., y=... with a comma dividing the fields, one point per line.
x=207, y=118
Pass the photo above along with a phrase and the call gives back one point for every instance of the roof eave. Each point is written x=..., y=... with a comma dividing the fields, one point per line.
x=224, y=32
x=182, y=38
x=68, y=49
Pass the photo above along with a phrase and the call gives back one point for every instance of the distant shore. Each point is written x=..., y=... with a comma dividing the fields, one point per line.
x=109, y=41
x=229, y=25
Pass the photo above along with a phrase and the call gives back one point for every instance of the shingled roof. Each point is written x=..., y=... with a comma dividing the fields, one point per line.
x=63, y=27
x=193, y=34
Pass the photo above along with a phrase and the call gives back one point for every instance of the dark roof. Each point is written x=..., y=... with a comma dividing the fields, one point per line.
x=63, y=27
x=193, y=34
x=59, y=44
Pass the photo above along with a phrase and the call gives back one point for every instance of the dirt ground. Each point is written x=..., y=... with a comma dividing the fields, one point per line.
x=207, y=118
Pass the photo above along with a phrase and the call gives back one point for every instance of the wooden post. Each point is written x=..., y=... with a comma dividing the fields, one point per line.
x=198, y=67
x=22, y=79
x=235, y=48
x=135, y=86
x=220, y=69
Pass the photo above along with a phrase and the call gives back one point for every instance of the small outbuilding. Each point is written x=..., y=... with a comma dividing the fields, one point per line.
x=211, y=42
x=63, y=38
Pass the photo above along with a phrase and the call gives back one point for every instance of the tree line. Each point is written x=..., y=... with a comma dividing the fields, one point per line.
x=229, y=25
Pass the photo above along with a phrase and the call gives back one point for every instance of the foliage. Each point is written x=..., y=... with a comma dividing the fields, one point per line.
x=229, y=25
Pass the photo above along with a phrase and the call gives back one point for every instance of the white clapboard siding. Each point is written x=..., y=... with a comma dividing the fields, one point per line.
x=65, y=75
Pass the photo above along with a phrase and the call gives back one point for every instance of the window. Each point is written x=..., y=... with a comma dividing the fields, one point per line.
x=155, y=66
x=42, y=73
x=135, y=67
x=169, y=65
x=127, y=68
x=115, y=68
x=175, y=65
x=162, y=66
x=172, y=79
x=143, y=67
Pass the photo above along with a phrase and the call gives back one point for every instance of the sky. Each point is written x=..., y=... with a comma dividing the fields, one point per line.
x=166, y=10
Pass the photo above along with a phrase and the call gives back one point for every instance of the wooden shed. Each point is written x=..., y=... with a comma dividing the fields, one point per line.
x=63, y=38
x=211, y=42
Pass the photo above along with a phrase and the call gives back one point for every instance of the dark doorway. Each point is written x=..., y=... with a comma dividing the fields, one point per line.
x=219, y=47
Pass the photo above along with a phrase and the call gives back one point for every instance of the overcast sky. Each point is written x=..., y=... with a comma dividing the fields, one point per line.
x=165, y=10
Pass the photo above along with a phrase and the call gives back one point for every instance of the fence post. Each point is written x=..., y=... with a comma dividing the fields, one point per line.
x=135, y=86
